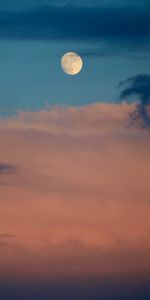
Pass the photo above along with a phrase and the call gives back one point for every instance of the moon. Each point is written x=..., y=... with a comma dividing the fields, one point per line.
x=71, y=63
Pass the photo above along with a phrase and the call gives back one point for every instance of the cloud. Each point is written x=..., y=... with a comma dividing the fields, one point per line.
x=8, y=168
x=96, y=23
x=81, y=208
x=95, y=119
x=7, y=235
x=138, y=86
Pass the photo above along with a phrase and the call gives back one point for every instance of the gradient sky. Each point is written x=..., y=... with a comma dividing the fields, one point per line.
x=112, y=38
x=74, y=157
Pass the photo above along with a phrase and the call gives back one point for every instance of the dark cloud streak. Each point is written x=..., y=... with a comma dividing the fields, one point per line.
x=76, y=23
x=8, y=168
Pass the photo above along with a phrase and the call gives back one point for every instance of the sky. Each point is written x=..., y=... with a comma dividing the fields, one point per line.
x=74, y=150
x=112, y=38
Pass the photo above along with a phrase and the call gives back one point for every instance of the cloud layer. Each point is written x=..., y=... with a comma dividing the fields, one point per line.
x=94, y=23
x=80, y=205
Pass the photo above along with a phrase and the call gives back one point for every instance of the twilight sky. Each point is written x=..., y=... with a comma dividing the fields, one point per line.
x=74, y=150
x=113, y=39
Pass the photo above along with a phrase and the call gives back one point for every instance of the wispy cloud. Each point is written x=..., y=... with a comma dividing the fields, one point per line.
x=8, y=168
x=138, y=86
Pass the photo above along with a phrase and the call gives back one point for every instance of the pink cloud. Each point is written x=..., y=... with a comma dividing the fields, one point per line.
x=79, y=200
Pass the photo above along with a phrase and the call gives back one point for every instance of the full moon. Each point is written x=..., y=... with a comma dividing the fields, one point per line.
x=71, y=63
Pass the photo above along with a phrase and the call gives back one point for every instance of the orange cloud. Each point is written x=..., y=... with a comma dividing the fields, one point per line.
x=78, y=201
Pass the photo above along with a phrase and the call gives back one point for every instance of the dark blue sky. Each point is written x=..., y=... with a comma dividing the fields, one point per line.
x=9, y=4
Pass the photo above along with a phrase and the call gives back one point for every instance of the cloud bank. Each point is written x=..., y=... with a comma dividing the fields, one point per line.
x=94, y=23
x=80, y=205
